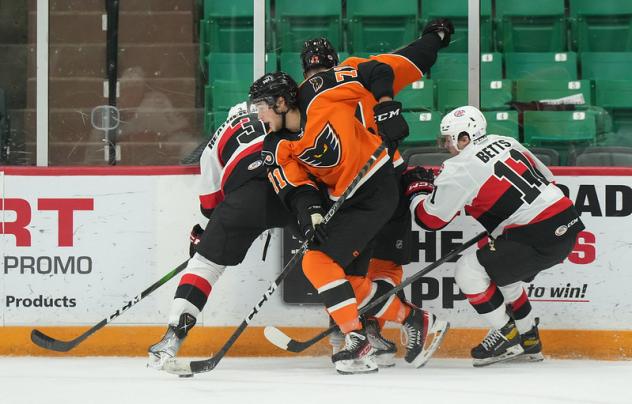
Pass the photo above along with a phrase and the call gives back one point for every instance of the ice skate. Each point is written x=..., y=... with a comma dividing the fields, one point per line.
x=170, y=343
x=385, y=350
x=498, y=346
x=424, y=333
x=531, y=344
x=356, y=356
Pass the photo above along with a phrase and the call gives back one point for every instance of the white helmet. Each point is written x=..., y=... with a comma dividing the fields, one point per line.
x=242, y=108
x=466, y=119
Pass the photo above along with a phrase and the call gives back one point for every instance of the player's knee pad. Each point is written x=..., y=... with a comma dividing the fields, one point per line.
x=320, y=269
x=512, y=292
x=204, y=268
x=470, y=275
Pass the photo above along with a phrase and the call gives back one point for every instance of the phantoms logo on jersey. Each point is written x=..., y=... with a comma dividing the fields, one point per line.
x=326, y=150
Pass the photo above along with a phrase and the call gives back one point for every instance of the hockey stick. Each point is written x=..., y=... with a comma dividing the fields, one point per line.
x=283, y=341
x=188, y=368
x=42, y=340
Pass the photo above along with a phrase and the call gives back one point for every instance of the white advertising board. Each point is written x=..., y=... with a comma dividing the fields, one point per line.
x=78, y=244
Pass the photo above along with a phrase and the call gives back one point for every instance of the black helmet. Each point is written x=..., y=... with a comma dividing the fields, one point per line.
x=270, y=86
x=318, y=52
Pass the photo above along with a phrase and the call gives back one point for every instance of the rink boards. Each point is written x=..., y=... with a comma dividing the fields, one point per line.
x=78, y=243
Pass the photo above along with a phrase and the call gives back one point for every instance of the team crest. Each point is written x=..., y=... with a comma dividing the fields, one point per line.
x=316, y=82
x=326, y=150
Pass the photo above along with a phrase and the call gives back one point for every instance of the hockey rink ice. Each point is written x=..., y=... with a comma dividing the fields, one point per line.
x=311, y=380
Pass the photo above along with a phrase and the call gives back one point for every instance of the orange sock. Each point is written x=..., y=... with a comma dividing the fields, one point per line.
x=335, y=290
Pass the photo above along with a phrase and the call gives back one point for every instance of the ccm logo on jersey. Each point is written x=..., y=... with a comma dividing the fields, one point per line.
x=387, y=115
x=560, y=231
x=326, y=150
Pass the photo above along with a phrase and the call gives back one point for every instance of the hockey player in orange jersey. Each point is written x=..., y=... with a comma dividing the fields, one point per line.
x=331, y=148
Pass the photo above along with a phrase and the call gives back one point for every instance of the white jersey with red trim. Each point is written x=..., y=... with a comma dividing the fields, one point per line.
x=232, y=157
x=498, y=182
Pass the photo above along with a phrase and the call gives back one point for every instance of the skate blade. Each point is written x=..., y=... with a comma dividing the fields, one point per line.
x=156, y=362
x=528, y=357
x=437, y=332
x=355, y=366
x=385, y=360
x=511, y=353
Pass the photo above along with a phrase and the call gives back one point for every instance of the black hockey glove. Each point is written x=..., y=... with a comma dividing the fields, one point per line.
x=390, y=122
x=440, y=25
x=311, y=223
x=194, y=238
x=417, y=181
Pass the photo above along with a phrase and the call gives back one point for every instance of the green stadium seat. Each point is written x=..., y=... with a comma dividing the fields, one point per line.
x=297, y=21
x=227, y=26
x=456, y=11
x=601, y=26
x=503, y=123
x=424, y=127
x=531, y=26
x=290, y=62
x=426, y=156
x=608, y=156
x=453, y=66
x=550, y=157
x=236, y=66
x=545, y=127
x=495, y=94
x=380, y=25
x=229, y=77
x=541, y=66
x=537, y=90
x=611, y=73
x=419, y=96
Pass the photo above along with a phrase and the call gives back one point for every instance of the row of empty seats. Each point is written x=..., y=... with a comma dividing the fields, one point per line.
x=383, y=25
x=523, y=77
x=591, y=156
x=538, y=127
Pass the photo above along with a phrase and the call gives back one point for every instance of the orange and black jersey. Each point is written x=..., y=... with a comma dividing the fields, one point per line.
x=334, y=145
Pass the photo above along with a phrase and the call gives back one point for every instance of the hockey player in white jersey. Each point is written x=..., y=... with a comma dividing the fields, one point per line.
x=532, y=226
x=238, y=204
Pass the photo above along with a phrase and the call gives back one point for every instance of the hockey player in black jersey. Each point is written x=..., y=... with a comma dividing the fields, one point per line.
x=317, y=136
x=532, y=227
x=238, y=204
x=392, y=244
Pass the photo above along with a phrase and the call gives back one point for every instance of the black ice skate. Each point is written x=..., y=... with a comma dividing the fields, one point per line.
x=385, y=350
x=424, y=333
x=356, y=356
x=170, y=343
x=531, y=344
x=498, y=346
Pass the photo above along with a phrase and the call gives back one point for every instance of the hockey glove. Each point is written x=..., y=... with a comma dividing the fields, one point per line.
x=390, y=122
x=440, y=25
x=417, y=181
x=311, y=222
x=196, y=235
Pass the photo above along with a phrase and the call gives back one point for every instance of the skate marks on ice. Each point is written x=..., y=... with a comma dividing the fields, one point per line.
x=312, y=380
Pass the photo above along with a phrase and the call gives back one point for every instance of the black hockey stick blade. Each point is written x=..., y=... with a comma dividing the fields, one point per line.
x=44, y=341
x=188, y=368
x=283, y=341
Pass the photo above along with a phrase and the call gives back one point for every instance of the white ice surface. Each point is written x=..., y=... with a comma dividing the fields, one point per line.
x=311, y=380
